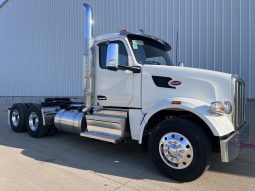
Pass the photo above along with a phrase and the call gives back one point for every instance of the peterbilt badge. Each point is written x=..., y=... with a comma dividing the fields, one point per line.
x=174, y=83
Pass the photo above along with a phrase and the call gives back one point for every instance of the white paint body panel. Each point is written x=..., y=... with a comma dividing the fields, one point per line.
x=198, y=89
x=204, y=85
x=116, y=86
x=220, y=125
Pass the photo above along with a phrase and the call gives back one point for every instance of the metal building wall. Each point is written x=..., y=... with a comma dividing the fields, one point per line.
x=214, y=34
x=41, y=48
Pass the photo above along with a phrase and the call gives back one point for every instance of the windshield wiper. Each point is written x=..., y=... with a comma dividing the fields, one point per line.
x=151, y=62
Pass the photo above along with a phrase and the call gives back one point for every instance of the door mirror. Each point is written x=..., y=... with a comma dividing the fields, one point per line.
x=112, y=57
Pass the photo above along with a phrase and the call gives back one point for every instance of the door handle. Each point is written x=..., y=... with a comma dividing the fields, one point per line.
x=100, y=97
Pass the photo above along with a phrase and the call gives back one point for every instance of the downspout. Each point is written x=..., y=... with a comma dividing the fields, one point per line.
x=88, y=57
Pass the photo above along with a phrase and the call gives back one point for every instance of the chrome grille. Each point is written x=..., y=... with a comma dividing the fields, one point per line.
x=239, y=102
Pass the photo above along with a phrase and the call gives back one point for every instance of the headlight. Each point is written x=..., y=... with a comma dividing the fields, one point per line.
x=221, y=107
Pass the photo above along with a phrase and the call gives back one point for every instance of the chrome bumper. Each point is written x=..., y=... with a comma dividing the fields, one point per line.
x=230, y=147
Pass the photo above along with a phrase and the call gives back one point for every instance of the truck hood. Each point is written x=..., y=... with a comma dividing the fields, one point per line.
x=204, y=85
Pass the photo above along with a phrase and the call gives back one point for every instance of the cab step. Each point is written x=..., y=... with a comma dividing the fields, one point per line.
x=102, y=136
x=107, y=125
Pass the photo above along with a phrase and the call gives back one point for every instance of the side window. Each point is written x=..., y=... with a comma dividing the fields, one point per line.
x=102, y=55
x=160, y=60
x=123, y=55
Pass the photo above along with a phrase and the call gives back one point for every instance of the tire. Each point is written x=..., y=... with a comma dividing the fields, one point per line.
x=180, y=149
x=18, y=117
x=34, y=122
x=30, y=105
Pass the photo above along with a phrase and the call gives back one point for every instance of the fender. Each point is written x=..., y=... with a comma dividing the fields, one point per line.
x=220, y=125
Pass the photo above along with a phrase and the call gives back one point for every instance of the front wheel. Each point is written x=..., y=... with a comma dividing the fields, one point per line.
x=180, y=149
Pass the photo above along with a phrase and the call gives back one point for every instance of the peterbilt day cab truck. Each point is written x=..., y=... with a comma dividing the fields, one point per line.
x=133, y=91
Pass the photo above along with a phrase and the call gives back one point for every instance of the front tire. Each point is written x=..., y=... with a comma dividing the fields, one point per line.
x=180, y=149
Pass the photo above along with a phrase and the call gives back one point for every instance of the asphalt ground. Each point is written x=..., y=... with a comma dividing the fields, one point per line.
x=68, y=162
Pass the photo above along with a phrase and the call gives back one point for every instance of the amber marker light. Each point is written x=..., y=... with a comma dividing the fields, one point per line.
x=176, y=102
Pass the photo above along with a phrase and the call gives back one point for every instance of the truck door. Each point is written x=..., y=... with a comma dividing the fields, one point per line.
x=113, y=88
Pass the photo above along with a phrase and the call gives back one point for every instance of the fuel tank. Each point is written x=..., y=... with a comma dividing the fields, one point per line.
x=71, y=121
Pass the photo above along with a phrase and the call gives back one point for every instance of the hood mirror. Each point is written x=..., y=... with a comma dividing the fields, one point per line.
x=112, y=57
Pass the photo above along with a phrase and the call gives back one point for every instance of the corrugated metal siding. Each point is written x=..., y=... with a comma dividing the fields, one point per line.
x=214, y=34
x=41, y=48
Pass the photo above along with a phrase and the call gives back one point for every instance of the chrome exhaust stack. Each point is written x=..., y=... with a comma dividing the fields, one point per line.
x=88, y=57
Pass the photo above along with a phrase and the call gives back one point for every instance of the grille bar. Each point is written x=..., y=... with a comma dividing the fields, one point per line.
x=239, y=102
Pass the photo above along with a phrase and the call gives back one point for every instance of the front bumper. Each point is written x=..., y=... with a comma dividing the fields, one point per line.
x=230, y=147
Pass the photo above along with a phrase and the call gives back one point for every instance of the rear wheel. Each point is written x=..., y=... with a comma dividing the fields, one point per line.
x=17, y=117
x=180, y=149
x=34, y=122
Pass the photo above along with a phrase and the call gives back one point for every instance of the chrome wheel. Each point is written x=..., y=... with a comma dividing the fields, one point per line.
x=176, y=150
x=15, y=118
x=33, y=121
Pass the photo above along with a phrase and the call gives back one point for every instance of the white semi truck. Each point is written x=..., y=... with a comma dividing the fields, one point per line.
x=133, y=91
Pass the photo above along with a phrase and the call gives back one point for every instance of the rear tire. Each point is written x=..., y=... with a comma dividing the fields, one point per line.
x=180, y=149
x=34, y=122
x=18, y=117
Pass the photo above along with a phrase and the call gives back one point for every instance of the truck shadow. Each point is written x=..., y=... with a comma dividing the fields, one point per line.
x=124, y=160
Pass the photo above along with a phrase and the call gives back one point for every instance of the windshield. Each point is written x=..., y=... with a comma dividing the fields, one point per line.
x=149, y=51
